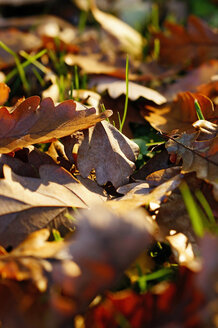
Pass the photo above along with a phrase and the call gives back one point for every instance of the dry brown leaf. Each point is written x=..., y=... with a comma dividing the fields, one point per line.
x=184, y=46
x=133, y=113
x=210, y=90
x=34, y=122
x=160, y=161
x=142, y=195
x=199, y=152
x=117, y=88
x=131, y=40
x=4, y=93
x=109, y=152
x=192, y=80
x=51, y=26
x=73, y=272
x=181, y=113
x=91, y=64
x=28, y=204
x=88, y=97
x=26, y=162
x=152, y=180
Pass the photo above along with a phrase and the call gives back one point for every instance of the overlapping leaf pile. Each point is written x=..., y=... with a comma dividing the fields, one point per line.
x=78, y=222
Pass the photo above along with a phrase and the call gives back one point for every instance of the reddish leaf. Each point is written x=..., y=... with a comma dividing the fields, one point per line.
x=181, y=113
x=192, y=45
x=31, y=122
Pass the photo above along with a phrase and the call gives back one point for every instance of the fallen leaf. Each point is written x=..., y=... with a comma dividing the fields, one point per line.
x=88, y=97
x=203, y=74
x=135, y=91
x=31, y=122
x=91, y=64
x=48, y=25
x=133, y=113
x=28, y=204
x=26, y=162
x=72, y=272
x=142, y=195
x=131, y=40
x=184, y=46
x=158, y=162
x=4, y=93
x=181, y=113
x=109, y=152
x=198, y=151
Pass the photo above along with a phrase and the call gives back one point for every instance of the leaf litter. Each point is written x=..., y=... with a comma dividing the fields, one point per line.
x=89, y=215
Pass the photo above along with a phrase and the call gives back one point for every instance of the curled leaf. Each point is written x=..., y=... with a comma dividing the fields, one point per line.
x=181, y=113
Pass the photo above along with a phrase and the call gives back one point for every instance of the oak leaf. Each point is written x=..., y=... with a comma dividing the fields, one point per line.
x=109, y=152
x=28, y=204
x=34, y=122
x=117, y=88
x=183, y=46
x=181, y=113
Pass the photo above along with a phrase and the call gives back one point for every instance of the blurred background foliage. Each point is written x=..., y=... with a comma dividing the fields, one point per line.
x=137, y=13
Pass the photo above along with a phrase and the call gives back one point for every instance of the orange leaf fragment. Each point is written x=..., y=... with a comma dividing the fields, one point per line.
x=4, y=93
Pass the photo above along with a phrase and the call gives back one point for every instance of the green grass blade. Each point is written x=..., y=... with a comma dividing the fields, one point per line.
x=20, y=69
x=192, y=208
x=76, y=77
x=127, y=95
x=204, y=203
x=11, y=74
x=33, y=60
x=39, y=78
x=198, y=110
x=57, y=235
